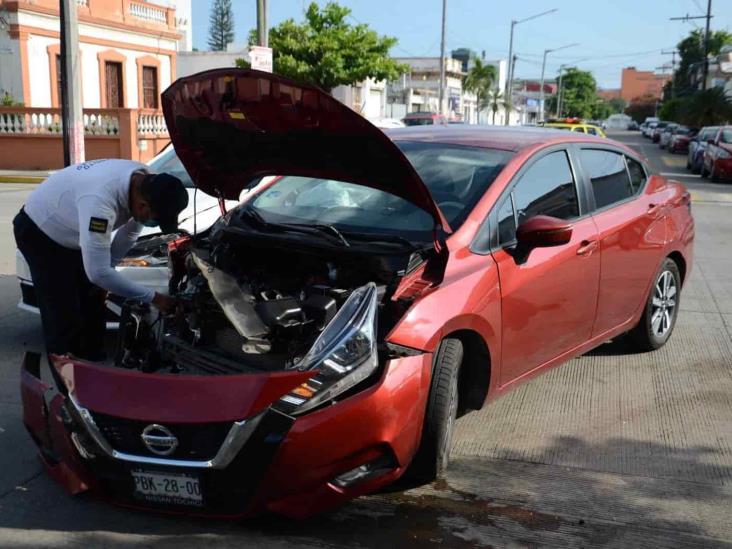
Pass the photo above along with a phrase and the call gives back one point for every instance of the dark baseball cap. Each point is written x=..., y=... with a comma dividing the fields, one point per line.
x=168, y=197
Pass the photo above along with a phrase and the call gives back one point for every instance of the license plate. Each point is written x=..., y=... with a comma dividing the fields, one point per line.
x=169, y=488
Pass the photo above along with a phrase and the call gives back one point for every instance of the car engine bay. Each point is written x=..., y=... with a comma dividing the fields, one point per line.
x=250, y=302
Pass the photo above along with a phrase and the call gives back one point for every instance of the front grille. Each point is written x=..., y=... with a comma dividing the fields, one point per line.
x=196, y=441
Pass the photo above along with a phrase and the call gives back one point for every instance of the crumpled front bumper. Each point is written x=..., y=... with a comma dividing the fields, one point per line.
x=286, y=464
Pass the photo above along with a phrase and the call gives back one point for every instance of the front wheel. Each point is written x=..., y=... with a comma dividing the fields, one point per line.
x=433, y=454
x=662, y=308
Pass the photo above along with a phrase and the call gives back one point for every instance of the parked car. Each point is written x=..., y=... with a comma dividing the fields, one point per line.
x=679, y=142
x=387, y=123
x=697, y=146
x=423, y=119
x=717, y=160
x=332, y=327
x=648, y=132
x=666, y=134
x=657, y=130
x=633, y=126
x=147, y=261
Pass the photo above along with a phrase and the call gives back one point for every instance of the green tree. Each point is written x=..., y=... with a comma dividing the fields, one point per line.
x=706, y=108
x=328, y=51
x=673, y=109
x=479, y=80
x=617, y=105
x=220, y=25
x=691, y=52
x=579, y=94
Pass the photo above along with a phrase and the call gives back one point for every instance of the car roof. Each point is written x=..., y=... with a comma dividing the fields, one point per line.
x=507, y=138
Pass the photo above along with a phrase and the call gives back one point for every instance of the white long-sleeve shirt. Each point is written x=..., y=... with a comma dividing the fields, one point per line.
x=80, y=207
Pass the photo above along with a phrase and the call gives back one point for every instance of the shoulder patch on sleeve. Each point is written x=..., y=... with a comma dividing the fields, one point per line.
x=98, y=225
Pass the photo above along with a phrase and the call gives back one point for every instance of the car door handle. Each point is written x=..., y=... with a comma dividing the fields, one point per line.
x=587, y=247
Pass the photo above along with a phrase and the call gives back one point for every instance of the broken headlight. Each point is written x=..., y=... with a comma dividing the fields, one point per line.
x=343, y=355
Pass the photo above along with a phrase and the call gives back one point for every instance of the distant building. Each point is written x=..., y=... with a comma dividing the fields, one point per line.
x=527, y=96
x=367, y=97
x=128, y=52
x=191, y=62
x=719, y=74
x=635, y=83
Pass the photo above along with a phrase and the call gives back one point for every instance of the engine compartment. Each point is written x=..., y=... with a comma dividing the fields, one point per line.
x=250, y=302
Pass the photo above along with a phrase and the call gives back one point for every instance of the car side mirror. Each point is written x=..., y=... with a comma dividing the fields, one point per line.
x=711, y=141
x=540, y=231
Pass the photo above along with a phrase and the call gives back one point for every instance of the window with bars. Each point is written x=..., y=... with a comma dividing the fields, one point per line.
x=150, y=87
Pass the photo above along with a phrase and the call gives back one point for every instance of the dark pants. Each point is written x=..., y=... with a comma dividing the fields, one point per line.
x=72, y=308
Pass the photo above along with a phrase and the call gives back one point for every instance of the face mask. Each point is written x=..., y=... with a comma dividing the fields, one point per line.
x=150, y=223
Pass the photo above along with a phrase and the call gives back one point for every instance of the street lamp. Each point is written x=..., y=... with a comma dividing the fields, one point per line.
x=509, y=80
x=543, y=66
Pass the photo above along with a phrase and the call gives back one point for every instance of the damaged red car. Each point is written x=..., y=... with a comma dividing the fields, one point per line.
x=332, y=327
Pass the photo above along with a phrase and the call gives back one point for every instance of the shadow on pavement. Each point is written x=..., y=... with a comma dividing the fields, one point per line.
x=571, y=507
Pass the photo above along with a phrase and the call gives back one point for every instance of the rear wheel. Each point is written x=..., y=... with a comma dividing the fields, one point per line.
x=662, y=308
x=433, y=454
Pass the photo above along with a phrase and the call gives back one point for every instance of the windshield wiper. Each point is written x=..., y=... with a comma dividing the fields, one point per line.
x=322, y=227
x=383, y=237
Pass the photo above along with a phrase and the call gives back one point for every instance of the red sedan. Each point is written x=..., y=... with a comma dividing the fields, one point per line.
x=332, y=327
x=717, y=160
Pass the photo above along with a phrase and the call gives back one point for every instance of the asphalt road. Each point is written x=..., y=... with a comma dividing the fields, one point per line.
x=611, y=449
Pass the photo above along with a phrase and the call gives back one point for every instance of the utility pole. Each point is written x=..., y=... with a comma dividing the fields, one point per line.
x=541, y=87
x=72, y=121
x=559, y=91
x=706, y=46
x=511, y=61
x=673, y=70
x=686, y=18
x=442, y=58
x=262, y=30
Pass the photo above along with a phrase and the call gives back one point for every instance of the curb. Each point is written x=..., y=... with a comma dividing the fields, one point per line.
x=21, y=179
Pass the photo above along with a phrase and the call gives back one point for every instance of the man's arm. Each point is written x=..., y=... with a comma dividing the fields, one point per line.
x=124, y=239
x=95, y=236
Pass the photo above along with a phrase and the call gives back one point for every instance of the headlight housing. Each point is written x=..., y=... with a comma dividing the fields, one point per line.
x=343, y=355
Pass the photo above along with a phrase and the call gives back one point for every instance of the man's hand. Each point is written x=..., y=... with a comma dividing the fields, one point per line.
x=164, y=303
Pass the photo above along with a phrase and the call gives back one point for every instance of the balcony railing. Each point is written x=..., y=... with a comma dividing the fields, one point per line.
x=148, y=13
x=97, y=122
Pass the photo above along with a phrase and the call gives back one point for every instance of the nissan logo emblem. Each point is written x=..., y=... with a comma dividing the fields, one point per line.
x=159, y=440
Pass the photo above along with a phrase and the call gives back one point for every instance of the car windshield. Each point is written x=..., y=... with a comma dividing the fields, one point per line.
x=683, y=131
x=457, y=177
x=168, y=162
x=726, y=136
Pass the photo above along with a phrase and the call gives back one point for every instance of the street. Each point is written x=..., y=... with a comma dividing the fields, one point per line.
x=612, y=449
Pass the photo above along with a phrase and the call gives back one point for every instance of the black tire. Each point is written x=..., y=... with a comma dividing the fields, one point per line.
x=433, y=454
x=645, y=336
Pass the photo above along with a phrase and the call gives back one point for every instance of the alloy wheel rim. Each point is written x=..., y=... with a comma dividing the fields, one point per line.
x=663, y=304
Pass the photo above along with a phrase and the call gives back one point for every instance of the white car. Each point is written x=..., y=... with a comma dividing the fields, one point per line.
x=147, y=262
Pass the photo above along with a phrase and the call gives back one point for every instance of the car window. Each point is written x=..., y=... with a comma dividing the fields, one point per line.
x=506, y=222
x=637, y=174
x=609, y=178
x=725, y=136
x=547, y=188
x=578, y=129
x=591, y=130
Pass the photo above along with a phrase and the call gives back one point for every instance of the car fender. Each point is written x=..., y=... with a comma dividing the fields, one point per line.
x=469, y=298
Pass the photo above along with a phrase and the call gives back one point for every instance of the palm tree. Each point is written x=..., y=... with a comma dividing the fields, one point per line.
x=479, y=80
x=496, y=101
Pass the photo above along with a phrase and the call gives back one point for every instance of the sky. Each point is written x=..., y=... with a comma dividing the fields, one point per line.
x=611, y=34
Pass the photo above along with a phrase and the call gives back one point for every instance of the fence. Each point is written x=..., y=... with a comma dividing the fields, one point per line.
x=30, y=138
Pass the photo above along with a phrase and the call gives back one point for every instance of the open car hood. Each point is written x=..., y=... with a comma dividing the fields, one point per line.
x=231, y=126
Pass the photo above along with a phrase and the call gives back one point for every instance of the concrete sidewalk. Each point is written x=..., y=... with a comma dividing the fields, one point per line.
x=24, y=176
